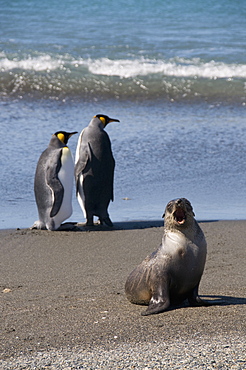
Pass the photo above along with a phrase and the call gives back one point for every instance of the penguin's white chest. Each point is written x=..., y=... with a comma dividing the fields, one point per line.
x=66, y=175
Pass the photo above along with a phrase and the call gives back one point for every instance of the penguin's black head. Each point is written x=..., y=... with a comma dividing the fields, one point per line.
x=105, y=119
x=63, y=136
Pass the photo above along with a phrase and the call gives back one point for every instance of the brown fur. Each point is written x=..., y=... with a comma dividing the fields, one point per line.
x=173, y=272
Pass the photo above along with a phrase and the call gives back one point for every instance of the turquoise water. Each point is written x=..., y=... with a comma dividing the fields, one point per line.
x=174, y=73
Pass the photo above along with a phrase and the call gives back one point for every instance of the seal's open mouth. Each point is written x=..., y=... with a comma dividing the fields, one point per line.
x=180, y=216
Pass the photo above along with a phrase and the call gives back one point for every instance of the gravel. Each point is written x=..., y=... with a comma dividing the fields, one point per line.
x=200, y=353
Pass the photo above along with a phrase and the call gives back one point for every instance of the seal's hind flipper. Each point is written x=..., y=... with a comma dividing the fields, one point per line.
x=195, y=300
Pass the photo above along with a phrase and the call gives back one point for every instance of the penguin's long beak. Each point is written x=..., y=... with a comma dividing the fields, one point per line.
x=72, y=133
x=113, y=120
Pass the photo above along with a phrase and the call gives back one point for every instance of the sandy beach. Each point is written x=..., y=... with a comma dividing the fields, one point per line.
x=63, y=304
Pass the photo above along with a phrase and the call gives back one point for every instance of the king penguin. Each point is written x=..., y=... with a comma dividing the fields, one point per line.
x=94, y=170
x=53, y=183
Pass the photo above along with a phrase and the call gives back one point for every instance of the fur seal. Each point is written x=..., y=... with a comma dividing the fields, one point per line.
x=173, y=272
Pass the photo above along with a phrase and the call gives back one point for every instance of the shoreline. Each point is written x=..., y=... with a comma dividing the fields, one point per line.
x=118, y=225
x=62, y=299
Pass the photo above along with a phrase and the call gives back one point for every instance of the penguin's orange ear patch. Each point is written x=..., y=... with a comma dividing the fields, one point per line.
x=61, y=137
x=103, y=120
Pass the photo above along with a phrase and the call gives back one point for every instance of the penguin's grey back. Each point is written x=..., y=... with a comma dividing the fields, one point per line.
x=94, y=169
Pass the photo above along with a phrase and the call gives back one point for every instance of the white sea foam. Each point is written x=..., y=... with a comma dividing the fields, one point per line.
x=127, y=68
x=40, y=63
x=176, y=68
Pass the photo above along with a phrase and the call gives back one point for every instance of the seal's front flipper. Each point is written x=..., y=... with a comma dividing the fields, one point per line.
x=156, y=307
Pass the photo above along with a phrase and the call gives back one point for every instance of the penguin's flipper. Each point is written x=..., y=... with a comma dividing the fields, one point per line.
x=83, y=159
x=55, y=184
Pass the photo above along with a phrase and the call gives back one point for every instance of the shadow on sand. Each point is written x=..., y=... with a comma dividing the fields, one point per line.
x=211, y=300
x=125, y=225
x=220, y=300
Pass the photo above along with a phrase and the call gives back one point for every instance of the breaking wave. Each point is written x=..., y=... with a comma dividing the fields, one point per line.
x=63, y=76
x=174, y=68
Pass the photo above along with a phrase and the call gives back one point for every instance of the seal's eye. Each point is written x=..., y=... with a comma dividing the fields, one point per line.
x=188, y=206
x=169, y=206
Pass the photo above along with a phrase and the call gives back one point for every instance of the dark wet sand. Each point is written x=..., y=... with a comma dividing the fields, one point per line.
x=66, y=289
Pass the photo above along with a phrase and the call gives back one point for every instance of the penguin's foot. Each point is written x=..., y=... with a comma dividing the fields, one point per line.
x=38, y=225
x=89, y=223
x=106, y=221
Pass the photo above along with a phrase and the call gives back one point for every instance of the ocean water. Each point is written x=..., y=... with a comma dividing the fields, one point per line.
x=174, y=73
